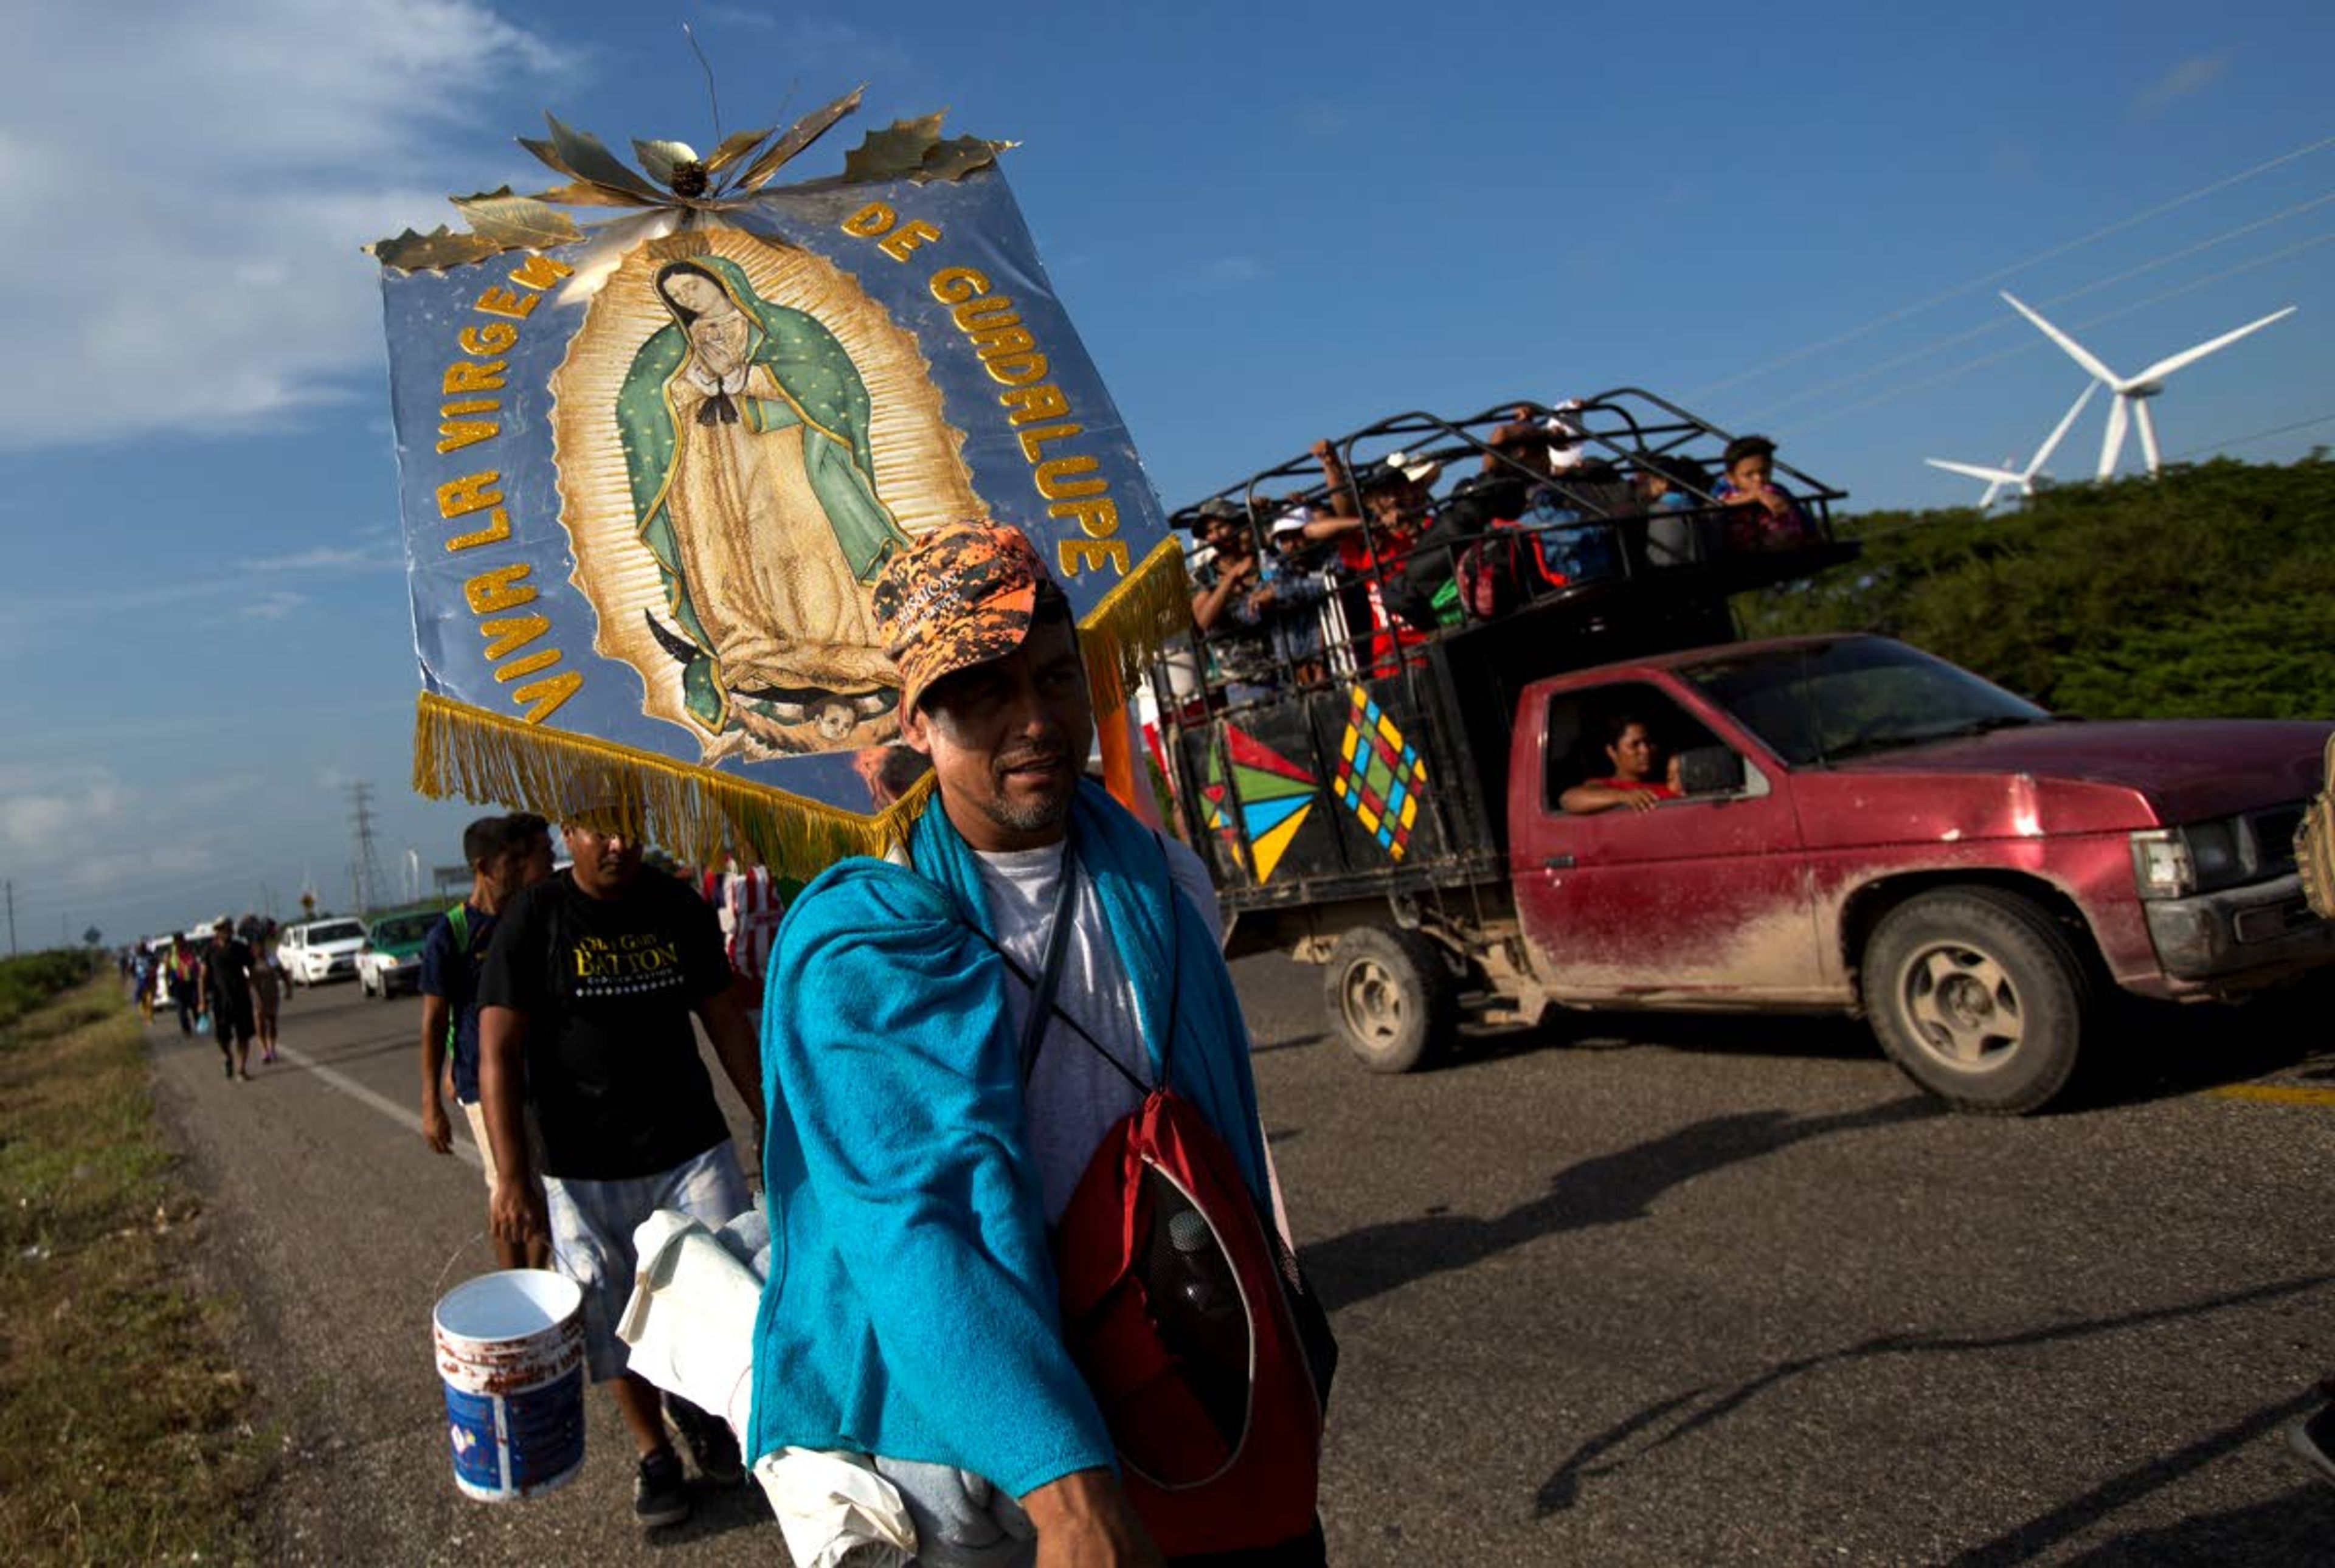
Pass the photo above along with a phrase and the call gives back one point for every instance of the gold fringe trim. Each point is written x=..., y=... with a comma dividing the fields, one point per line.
x=1123, y=633
x=696, y=813
x=701, y=814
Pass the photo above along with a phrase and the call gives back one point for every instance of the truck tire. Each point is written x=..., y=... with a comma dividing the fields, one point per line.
x=1980, y=997
x=1389, y=995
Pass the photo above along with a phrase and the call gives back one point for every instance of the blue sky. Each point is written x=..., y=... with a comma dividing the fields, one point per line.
x=1270, y=222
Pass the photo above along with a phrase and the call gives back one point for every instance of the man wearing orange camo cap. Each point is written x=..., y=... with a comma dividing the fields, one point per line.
x=921, y=1140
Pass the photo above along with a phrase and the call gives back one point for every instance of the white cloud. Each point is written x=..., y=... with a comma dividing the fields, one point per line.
x=188, y=187
x=373, y=557
x=806, y=41
x=2188, y=79
x=1223, y=272
x=271, y=607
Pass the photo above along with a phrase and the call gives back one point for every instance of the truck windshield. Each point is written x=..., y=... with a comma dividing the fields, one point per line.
x=1827, y=702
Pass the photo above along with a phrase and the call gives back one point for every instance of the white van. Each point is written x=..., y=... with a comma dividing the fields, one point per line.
x=320, y=950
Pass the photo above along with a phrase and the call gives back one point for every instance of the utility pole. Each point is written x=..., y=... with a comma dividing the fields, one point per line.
x=12, y=917
x=366, y=868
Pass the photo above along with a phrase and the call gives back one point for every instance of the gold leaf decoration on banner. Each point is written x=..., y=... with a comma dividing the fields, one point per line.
x=520, y=222
x=434, y=251
x=677, y=180
x=588, y=158
x=800, y=135
x=895, y=152
x=735, y=146
x=660, y=159
x=956, y=157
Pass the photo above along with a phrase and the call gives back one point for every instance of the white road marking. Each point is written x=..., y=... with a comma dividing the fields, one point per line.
x=463, y=1149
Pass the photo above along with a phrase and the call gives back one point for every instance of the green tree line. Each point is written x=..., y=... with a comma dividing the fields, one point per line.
x=2207, y=592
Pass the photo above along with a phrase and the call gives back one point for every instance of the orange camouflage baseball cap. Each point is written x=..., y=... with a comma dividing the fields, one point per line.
x=961, y=594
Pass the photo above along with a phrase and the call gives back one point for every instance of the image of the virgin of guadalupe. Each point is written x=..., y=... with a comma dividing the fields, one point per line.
x=745, y=432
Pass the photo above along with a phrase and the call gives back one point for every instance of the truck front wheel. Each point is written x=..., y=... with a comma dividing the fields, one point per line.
x=1389, y=995
x=1980, y=997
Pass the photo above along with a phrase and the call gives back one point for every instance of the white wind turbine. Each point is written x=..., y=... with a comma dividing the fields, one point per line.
x=1999, y=479
x=2133, y=391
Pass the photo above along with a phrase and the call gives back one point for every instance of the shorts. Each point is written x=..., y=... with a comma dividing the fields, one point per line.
x=592, y=1226
x=477, y=1115
x=229, y=1026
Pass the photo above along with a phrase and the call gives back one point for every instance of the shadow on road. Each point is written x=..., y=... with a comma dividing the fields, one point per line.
x=714, y=1511
x=2296, y=1527
x=2144, y=1052
x=2274, y=1532
x=1601, y=1191
x=2167, y=1052
x=1562, y=1490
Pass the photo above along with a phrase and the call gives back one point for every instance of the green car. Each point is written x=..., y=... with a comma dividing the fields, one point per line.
x=390, y=961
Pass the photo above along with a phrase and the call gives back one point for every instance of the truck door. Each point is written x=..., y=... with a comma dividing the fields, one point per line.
x=1701, y=898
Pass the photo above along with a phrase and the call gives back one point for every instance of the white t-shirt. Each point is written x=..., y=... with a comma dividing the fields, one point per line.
x=1073, y=1095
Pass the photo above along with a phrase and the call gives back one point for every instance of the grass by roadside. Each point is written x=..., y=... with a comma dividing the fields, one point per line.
x=125, y=1430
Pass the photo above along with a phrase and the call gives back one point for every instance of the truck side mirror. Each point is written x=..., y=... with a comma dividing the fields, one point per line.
x=1710, y=771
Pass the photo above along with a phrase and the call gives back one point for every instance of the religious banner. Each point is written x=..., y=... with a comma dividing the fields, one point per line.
x=651, y=467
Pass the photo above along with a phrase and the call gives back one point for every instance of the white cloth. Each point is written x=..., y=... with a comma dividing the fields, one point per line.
x=690, y=1324
x=1074, y=1095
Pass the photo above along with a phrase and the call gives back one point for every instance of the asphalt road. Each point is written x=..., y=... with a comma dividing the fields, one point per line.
x=1617, y=1291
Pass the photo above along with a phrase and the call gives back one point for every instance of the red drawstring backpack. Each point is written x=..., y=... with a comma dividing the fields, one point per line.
x=1206, y=1351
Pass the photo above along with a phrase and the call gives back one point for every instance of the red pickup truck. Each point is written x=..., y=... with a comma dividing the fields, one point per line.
x=1868, y=828
x=1859, y=827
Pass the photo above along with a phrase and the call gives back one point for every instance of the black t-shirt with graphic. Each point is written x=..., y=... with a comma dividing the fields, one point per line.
x=607, y=986
x=226, y=967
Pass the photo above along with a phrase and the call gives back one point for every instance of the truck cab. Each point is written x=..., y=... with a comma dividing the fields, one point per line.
x=1867, y=828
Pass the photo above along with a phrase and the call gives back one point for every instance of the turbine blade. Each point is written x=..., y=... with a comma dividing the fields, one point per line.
x=2165, y=367
x=2112, y=443
x=2058, y=434
x=2147, y=423
x=2076, y=351
x=1986, y=500
x=1972, y=470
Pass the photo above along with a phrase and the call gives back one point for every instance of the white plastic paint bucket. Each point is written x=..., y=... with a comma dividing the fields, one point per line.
x=510, y=1349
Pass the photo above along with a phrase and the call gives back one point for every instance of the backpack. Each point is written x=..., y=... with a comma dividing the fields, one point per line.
x=1491, y=572
x=2314, y=843
x=459, y=917
x=1204, y=1348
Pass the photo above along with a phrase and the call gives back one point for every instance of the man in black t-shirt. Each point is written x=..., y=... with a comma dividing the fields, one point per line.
x=223, y=990
x=584, y=1008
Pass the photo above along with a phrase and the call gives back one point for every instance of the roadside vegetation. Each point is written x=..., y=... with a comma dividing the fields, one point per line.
x=2201, y=593
x=124, y=1427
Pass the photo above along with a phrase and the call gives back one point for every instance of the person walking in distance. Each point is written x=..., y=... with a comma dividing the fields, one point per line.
x=267, y=989
x=506, y=855
x=584, y=1005
x=181, y=977
x=223, y=990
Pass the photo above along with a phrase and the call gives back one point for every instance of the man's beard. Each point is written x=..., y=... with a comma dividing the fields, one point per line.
x=1049, y=811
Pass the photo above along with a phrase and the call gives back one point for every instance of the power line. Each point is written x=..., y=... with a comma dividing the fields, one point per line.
x=1803, y=426
x=2223, y=446
x=1954, y=340
x=2000, y=274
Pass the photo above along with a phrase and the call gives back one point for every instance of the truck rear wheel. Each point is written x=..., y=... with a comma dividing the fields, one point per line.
x=1980, y=997
x=1389, y=995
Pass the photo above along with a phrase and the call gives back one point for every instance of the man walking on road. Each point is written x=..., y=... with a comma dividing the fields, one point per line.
x=585, y=1007
x=506, y=855
x=925, y=1136
x=223, y=990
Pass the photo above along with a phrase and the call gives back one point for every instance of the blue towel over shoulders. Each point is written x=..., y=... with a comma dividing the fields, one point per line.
x=910, y=1309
